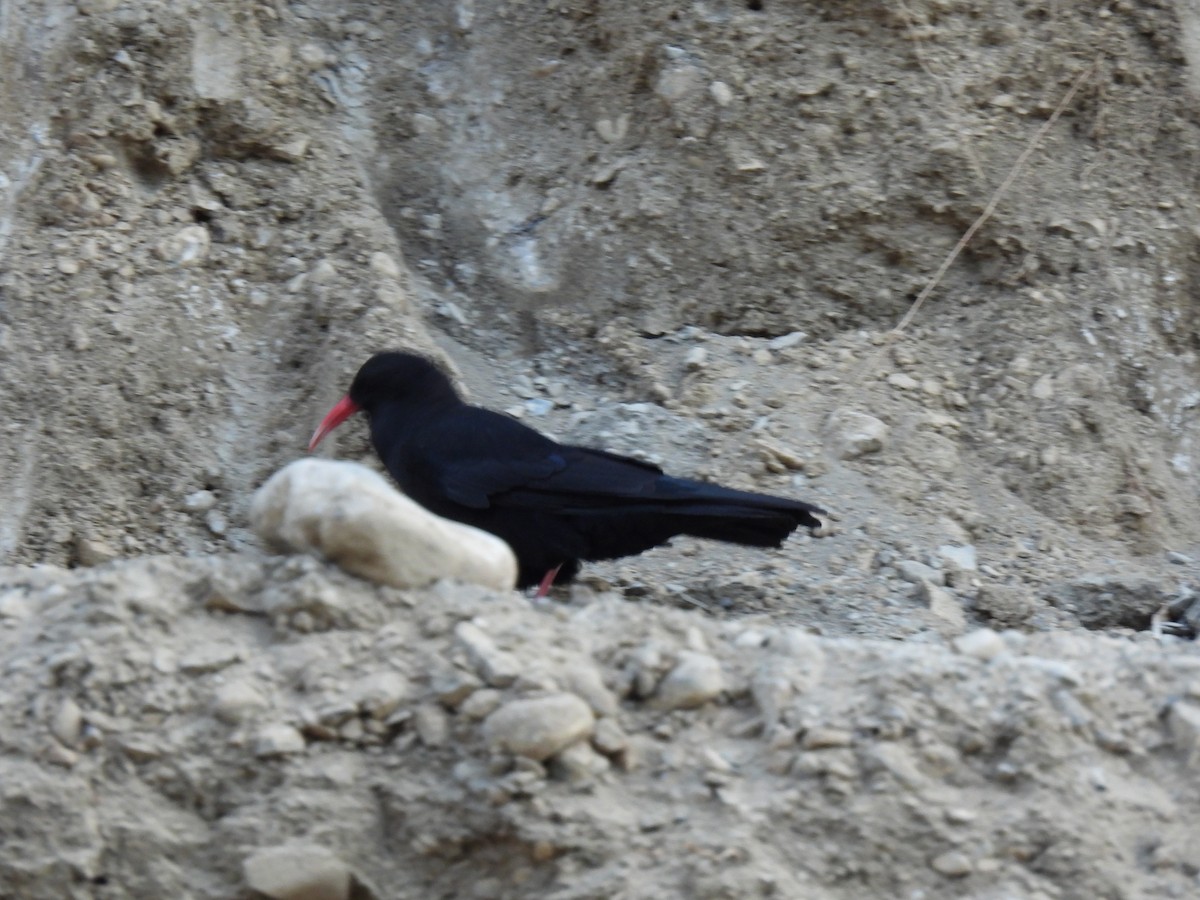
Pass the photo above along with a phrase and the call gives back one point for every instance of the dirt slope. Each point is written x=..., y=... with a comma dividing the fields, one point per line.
x=681, y=231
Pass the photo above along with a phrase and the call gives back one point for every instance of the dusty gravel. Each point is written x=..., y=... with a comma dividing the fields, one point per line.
x=680, y=231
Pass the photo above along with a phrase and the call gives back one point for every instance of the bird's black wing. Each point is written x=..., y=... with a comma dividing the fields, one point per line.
x=478, y=459
x=474, y=454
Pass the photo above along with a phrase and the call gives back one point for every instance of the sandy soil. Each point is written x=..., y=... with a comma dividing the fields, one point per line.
x=680, y=231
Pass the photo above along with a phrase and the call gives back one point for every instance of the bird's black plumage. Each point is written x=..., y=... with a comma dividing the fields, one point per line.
x=554, y=504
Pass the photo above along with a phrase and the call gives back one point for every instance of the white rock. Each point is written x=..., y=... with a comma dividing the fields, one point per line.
x=200, y=501
x=959, y=557
x=354, y=518
x=982, y=644
x=380, y=694
x=696, y=679
x=721, y=93
x=856, y=434
x=784, y=341
x=237, y=701
x=297, y=872
x=278, y=740
x=1043, y=388
x=539, y=727
x=187, y=247
x=67, y=723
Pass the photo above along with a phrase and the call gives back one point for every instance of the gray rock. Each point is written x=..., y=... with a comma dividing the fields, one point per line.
x=431, y=724
x=92, y=552
x=608, y=737
x=481, y=704
x=380, y=693
x=1006, y=605
x=495, y=666
x=916, y=572
x=1183, y=722
x=539, y=727
x=856, y=434
x=943, y=604
x=579, y=762
x=583, y=678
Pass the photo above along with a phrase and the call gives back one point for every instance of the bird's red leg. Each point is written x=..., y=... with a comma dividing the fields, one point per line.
x=544, y=587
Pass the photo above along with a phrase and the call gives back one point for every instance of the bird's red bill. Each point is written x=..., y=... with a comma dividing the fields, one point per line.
x=342, y=410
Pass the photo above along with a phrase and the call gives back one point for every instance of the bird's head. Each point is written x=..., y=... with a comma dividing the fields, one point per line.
x=387, y=377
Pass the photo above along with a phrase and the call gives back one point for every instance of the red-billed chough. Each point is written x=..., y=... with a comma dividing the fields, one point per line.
x=554, y=504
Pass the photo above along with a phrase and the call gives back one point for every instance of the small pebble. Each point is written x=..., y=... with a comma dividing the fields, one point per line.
x=721, y=93
x=952, y=864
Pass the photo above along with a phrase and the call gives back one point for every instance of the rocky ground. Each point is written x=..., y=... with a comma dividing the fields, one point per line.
x=683, y=232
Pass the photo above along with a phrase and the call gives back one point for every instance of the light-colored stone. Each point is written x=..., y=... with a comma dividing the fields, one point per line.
x=350, y=515
x=67, y=722
x=297, y=872
x=856, y=434
x=1183, y=721
x=916, y=572
x=92, y=552
x=579, y=762
x=432, y=724
x=983, y=643
x=963, y=558
x=943, y=604
x=583, y=678
x=495, y=666
x=237, y=701
x=609, y=738
x=695, y=679
x=721, y=93
x=278, y=740
x=187, y=247
x=539, y=727
x=380, y=693
x=952, y=864
x=481, y=704
x=903, y=381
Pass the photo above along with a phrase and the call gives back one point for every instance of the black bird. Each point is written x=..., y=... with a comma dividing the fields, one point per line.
x=554, y=504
